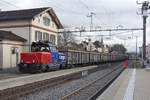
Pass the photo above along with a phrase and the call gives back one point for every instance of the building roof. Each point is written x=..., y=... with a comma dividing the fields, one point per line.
x=8, y=35
x=27, y=14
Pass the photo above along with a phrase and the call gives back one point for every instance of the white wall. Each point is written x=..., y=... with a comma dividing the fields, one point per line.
x=33, y=29
x=9, y=59
x=21, y=28
x=12, y=23
x=38, y=20
x=20, y=31
x=1, y=56
x=13, y=26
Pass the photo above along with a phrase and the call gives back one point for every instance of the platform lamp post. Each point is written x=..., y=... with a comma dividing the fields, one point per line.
x=136, y=45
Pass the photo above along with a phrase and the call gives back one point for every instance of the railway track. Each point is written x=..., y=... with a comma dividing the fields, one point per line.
x=58, y=92
x=94, y=88
x=30, y=89
x=25, y=89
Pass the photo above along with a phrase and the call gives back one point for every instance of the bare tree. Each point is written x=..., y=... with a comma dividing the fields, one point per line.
x=65, y=38
x=68, y=38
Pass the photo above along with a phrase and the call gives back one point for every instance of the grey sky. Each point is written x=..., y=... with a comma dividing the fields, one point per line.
x=109, y=14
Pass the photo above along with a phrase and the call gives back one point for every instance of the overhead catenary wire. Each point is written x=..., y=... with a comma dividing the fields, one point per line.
x=126, y=31
x=70, y=12
x=85, y=5
x=88, y=8
x=123, y=29
x=59, y=6
x=11, y=4
x=76, y=12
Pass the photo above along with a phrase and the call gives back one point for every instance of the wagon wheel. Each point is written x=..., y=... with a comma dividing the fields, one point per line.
x=44, y=68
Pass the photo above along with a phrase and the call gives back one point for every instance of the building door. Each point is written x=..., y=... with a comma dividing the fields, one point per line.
x=13, y=60
x=14, y=57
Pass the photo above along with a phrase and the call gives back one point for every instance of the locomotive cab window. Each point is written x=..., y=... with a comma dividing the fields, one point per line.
x=45, y=49
x=53, y=49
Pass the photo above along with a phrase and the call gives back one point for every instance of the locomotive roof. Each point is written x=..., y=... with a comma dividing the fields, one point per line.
x=42, y=43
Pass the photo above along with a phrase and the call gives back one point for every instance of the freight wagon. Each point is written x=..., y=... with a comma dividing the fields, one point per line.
x=83, y=58
x=45, y=57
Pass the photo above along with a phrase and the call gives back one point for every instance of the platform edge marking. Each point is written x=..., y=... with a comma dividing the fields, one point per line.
x=129, y=93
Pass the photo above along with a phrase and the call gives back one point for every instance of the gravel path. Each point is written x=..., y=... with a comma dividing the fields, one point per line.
x=58, y=91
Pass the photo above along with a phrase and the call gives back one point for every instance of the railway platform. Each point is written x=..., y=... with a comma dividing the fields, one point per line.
x=132, y=84
x=19, y=81
x=30, y=83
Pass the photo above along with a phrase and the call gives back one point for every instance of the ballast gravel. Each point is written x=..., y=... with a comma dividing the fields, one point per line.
x=58, y=91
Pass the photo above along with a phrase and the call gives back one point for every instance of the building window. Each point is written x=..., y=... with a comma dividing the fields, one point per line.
x=46, y=36
x=38, y=35
x=46, y=21
x=52, y=39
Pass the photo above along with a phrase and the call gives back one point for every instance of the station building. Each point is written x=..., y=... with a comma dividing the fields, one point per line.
x=20, y=28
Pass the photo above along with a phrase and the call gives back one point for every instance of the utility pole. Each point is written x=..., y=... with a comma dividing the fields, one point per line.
x=91, y=19
x=136, y=46
x=144, y=10
x=145, y=7
x=102, y=41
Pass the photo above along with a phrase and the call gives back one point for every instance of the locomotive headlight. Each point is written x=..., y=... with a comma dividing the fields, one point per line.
x=33, y=61
x=21, y=61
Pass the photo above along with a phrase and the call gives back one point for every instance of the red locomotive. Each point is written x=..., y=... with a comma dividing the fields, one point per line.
x=44, y=57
